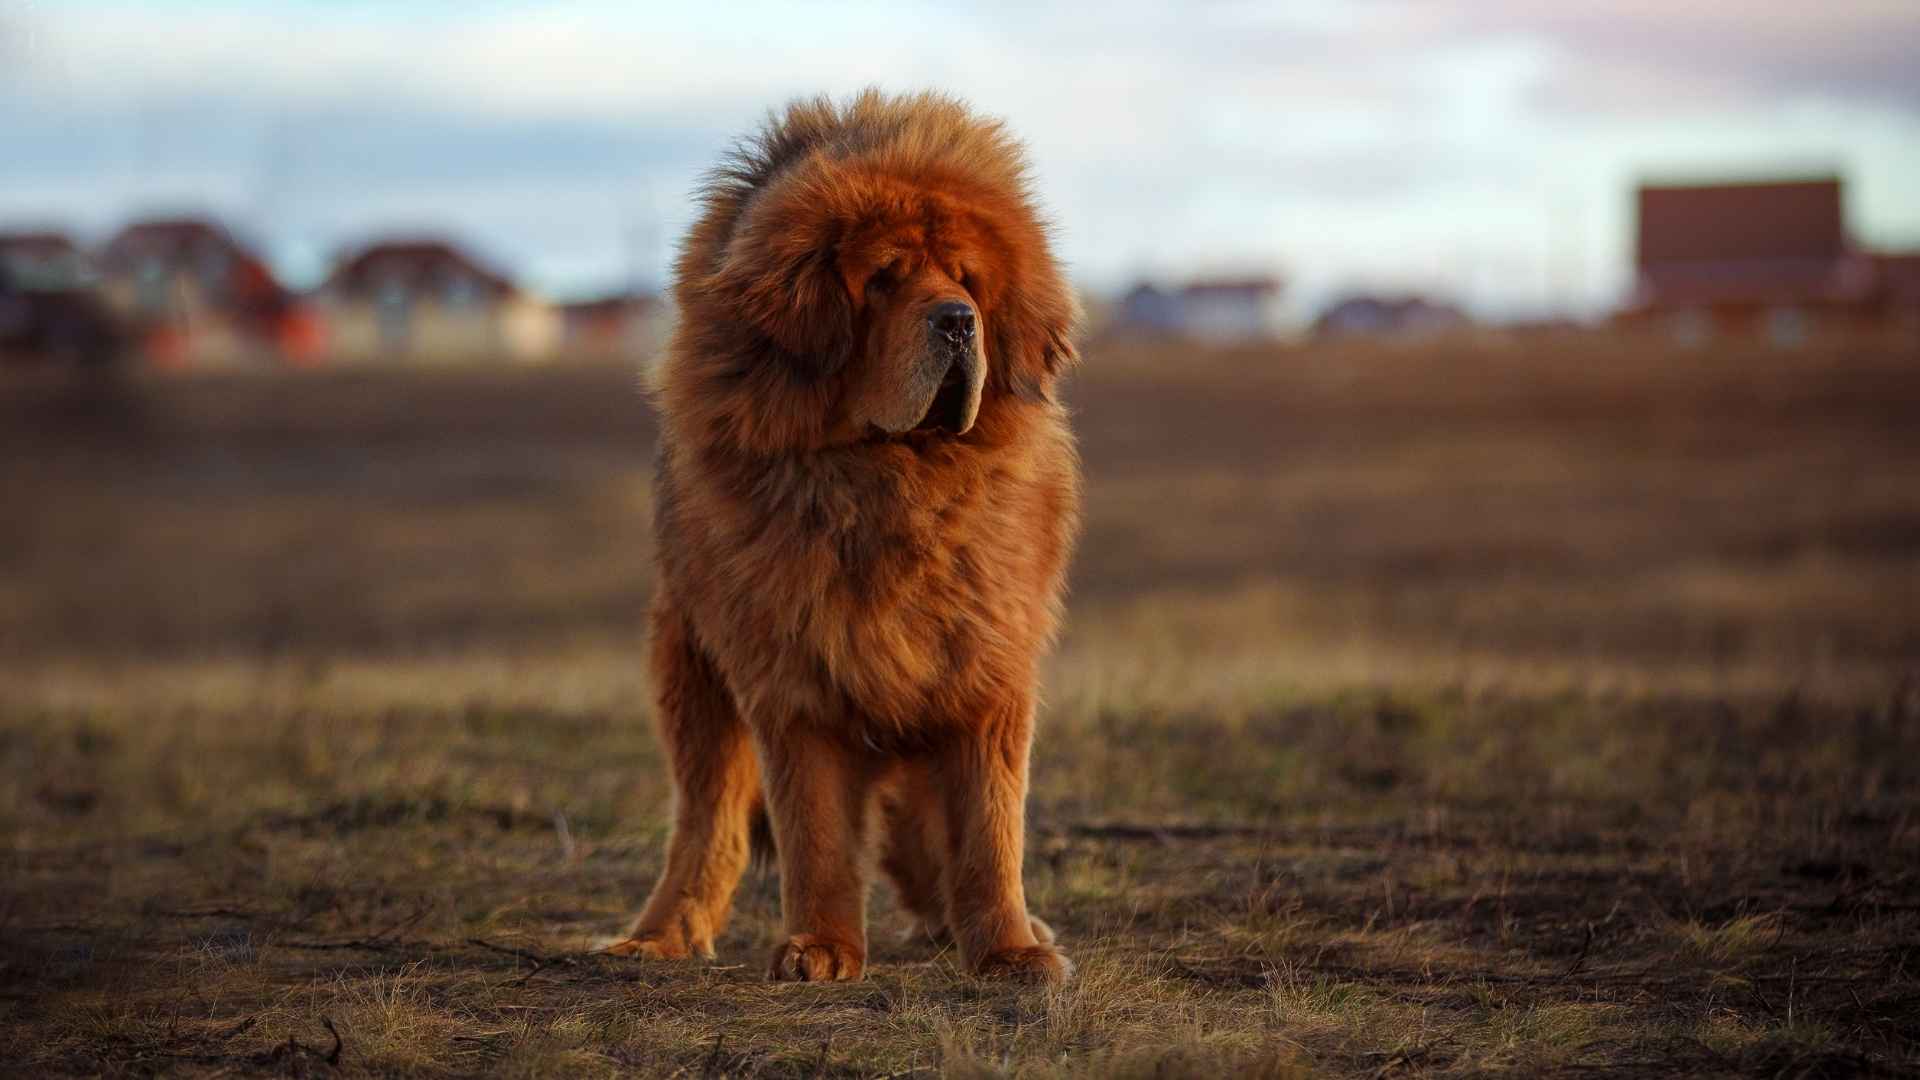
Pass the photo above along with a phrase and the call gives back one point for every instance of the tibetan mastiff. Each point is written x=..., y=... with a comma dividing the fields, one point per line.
x=867, y=494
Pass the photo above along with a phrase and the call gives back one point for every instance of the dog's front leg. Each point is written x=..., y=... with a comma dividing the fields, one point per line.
x=817, y=797
x=983, y=776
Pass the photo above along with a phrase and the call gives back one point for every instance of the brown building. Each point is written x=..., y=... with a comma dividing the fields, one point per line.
x=1768, y=259
x=195, y=296
x=427, y=300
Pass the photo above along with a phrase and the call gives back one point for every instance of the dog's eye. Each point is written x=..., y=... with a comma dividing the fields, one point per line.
x=964, y=279
x=882, y=278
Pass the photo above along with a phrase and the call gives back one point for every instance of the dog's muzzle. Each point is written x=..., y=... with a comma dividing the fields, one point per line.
x=952, y=328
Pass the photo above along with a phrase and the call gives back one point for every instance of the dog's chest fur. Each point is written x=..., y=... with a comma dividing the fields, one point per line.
x=887, y=586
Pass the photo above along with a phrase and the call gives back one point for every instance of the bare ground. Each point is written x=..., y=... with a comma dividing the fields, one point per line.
x=1424, y=712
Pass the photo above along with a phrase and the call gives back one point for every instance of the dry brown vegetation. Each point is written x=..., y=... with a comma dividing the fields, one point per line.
x=1549, y=710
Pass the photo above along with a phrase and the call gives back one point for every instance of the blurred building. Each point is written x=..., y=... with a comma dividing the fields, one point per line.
x=1147, y=309
x=1767, y=259
x=427, y=300
x=195, y=296
x=1390, y=317
x=50, y=309
x=622, y=326
x=1214, y=310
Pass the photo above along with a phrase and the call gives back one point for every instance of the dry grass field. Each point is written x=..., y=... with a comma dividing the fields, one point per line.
x=1551, y=710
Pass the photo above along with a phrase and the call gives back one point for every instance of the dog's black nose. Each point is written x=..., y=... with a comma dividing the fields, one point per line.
x=952, y=319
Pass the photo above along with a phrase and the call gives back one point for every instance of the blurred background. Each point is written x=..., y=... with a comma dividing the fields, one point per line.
x=303, y=170
x=1424, y=336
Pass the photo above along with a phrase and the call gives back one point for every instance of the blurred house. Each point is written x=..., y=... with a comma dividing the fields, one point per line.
x=1769, y=258
x=1216, y=310
x=50, y=309
x=622, y=326
x=1395, y=317
x=195, y=296
x=1148, y=310
x=426, y=300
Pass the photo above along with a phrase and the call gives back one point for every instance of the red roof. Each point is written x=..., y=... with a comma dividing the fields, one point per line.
x=414, y=264
x=173, y=241
x=1795, y=220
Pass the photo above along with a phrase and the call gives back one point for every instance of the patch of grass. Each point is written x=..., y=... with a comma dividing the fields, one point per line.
x=1421, y=714
x=1736, y=940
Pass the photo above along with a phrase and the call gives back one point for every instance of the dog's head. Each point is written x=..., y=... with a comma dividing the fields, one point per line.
x=884, y=263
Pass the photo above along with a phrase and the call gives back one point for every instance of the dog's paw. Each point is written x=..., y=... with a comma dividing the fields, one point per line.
x=810, y=958
x=1042, y=963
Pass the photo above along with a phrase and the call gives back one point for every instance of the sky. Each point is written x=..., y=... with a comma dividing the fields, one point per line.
x=1483, y=150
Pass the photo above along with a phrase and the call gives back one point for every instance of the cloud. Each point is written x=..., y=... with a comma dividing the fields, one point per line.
x=1639, y=56
x=1367, y=139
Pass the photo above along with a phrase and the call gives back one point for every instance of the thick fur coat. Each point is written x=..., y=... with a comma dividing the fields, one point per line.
x=867, y=495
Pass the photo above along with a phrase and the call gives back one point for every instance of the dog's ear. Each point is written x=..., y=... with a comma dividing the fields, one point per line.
x=780, y=272
x=1032, y=339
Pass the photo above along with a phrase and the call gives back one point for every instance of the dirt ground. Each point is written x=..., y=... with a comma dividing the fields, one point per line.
x=1547, y=709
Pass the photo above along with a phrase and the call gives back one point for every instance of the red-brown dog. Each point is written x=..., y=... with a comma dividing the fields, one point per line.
x=866, y=499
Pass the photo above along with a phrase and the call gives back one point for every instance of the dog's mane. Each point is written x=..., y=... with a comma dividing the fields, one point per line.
x=922, y=135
